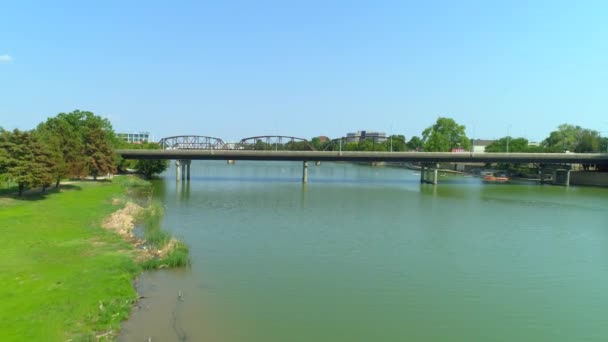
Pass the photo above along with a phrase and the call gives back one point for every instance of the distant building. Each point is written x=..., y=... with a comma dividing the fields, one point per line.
x=377, y=137
x=135, y=138
x=479, y=145
x=533, y=143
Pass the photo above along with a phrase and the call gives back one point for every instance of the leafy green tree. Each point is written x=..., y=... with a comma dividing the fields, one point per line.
x=49, y=154
x=603, y=146
x=445, y=135
x=394, y=143
x=588, y=141
x=318, y=144
x=261, y=145
x=99, y=153
x=350, y=146
x=147, y=167
x=565, y=138
x=366, y=145
x=415, y=143
x=536, y=149
x=333, y=145
x=61, y=149
x=4, y=156
x=572, y=138
x=516, y=145
x=296, y=146
x=75, y=136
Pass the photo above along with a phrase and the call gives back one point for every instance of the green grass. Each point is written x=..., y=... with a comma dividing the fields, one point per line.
x=178, y=257
x=7, y=187
x=157, y=238
x=62, y=276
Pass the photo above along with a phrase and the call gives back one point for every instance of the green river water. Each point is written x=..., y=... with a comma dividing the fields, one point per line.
x=369, y=254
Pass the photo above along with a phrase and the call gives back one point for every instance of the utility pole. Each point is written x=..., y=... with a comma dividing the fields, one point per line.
x=391, y=133
x=508, y=137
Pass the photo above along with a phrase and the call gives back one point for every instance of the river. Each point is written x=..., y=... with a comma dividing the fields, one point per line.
x=369, y=254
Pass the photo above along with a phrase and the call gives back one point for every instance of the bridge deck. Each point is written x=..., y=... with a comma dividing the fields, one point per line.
x=425, y=157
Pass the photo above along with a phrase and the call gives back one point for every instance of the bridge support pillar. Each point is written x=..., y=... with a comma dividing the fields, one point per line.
x=305, y=172
x=178, y=171
x=428, y=173
x=561, y=177
x=545, y=176
x=188, y=162
x=182, y=169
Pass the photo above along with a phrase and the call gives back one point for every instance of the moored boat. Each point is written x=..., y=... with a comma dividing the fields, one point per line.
x=495, y=179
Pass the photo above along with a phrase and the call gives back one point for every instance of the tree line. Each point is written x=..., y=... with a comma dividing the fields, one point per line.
x=80, y=144
x=445, y=135
x=69, y=145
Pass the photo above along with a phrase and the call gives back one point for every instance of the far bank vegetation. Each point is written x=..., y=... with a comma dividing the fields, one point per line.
x=71, y=145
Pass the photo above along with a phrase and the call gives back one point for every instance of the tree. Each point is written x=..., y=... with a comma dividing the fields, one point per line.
x=603, y=147
x=74, y=137
x=366, y=145
x=415, y=143
x=261, y=145
x=588, y=141
x=565, y=138
x=394, y=143
x=445, y=135
x=320, y=143
x=147, y=167
x=61, y=147
x=26, y=161
x=572, y=138
x=99, y=153
x=295, y=146
x=515, y=145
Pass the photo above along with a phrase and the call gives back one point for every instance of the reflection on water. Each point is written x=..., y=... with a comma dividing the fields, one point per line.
x=369, y=254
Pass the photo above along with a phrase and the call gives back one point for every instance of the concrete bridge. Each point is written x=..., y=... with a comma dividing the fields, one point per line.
x=428, y=160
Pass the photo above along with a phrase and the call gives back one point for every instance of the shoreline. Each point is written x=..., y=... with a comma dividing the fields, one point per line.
x=71, y=259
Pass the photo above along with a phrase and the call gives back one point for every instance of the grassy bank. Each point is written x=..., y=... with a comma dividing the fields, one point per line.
x=63, y=276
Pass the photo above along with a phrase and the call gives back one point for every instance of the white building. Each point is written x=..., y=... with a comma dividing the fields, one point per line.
x=135, y=138
x=479, y=145
x=377, y=137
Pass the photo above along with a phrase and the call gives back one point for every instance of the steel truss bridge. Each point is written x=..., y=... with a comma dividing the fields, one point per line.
x=263, y=142
x=274, y=142
x=191, y=142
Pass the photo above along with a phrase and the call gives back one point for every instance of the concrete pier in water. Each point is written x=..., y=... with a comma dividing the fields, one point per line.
x=182, y=169
x=428, y=173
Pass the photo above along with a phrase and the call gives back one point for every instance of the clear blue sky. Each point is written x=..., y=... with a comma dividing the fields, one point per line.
x=235, y=69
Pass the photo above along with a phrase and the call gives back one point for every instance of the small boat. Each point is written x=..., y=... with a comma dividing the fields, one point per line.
x=495, y=179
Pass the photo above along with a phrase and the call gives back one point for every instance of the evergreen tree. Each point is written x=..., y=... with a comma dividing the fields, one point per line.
x=27, y=162
x=99, y=153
